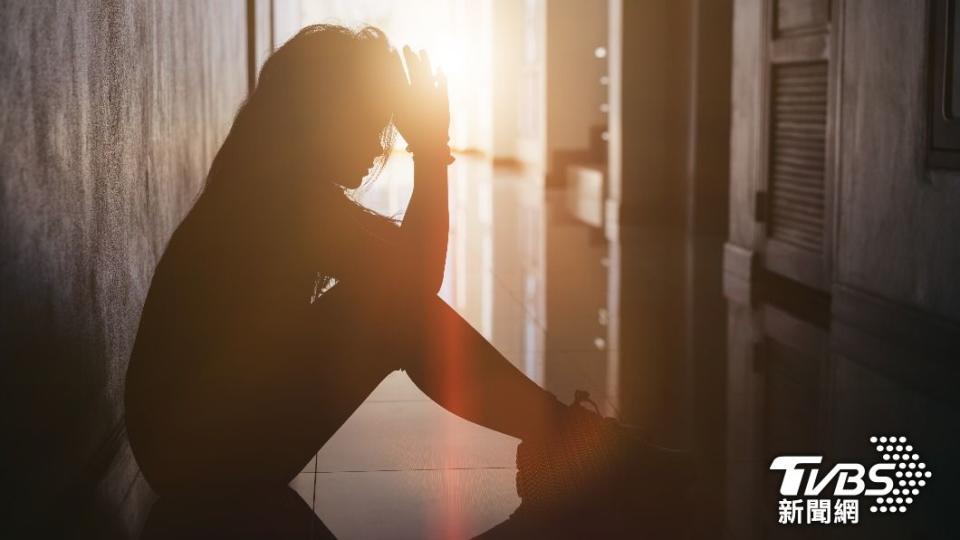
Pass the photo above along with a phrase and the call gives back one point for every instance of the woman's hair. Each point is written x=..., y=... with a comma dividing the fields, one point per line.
x=319, y=73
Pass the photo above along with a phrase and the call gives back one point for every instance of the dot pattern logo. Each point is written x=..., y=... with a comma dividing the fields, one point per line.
x=910, y=472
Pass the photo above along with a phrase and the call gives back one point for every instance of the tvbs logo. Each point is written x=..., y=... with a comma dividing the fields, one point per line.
x=895, y=481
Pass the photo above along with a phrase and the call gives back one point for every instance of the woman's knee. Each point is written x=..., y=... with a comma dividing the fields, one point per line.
x=379, y=309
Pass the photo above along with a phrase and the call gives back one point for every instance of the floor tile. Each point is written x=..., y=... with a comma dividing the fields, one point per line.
x=303, y=484
x=413, y=435
x=397, y=386
x=310, y=467
x=415, y=504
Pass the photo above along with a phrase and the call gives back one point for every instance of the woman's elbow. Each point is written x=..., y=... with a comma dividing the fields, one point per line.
x=418, y=280
x=432, y=282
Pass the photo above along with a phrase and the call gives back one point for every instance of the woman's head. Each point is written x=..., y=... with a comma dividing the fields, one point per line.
x=324, y=101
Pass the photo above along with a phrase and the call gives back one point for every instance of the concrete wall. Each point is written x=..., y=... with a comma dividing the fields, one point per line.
x=110, y=114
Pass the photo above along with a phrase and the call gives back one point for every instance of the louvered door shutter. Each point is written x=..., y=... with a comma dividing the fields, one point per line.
x=798, y=125
x=795, y=202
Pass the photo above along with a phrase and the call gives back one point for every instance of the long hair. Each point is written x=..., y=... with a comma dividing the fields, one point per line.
x=321, y=70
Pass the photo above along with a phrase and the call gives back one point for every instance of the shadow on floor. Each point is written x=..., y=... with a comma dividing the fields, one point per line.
x=263, y=513
x=626, y=511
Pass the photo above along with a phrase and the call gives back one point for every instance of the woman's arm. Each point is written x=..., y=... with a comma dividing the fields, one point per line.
x=427, y=221
x=364, y=248
x=423, y=120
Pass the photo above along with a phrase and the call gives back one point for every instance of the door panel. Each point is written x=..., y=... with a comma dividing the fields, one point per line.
x=796, y=189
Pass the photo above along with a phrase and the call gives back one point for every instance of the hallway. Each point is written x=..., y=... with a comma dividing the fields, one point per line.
x=731, y=222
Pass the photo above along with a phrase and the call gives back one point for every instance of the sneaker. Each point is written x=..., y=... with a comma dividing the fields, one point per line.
x=597, y=478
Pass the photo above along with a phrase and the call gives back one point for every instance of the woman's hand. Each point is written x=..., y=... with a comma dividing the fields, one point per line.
x=423, y=111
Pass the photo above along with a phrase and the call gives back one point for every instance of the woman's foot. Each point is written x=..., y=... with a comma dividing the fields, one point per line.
x=595, y=476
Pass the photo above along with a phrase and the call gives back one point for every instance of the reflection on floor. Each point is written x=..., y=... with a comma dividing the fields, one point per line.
x=430, y=474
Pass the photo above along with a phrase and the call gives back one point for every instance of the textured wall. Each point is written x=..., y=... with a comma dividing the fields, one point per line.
x=110, y=113
x=886, y=193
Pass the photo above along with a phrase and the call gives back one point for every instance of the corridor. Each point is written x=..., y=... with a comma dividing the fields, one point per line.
x=730, y=223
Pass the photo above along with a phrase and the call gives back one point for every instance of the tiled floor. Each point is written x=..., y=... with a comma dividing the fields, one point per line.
x=429, y=473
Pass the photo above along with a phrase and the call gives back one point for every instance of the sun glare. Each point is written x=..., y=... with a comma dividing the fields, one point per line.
x=455, y=33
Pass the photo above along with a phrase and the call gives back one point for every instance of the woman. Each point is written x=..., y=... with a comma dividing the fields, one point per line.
x=247, y=360
x=236, y=375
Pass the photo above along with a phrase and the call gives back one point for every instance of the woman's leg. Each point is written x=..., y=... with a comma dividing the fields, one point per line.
x=341, y=348
x=459, y=369
x=276, y=399
x=357, y=336
x=443, y=355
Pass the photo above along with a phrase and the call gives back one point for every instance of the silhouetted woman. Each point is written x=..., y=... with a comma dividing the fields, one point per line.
x=247, y=360
x=242, y=367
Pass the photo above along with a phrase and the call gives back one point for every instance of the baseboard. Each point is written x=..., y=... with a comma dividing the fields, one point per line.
x=915, y=347
x=905, y=325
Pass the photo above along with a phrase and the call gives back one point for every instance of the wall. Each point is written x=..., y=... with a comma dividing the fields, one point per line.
x=574, y=93
x=746, y=127
x=111, y=113
x=885, y=192
x=654, y=61
x=896, y=298
x=508, y=44
x=874, y=350
x=532, y=135
x=652, y=112
x=670, y=80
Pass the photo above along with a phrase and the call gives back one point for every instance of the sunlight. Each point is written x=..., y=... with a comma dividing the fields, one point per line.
x=457, y=36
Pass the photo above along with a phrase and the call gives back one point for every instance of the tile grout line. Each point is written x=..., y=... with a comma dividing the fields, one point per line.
x=423, y=469
x=313, y=501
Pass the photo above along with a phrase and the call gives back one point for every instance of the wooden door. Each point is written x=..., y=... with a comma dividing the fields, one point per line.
x=794, y=197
